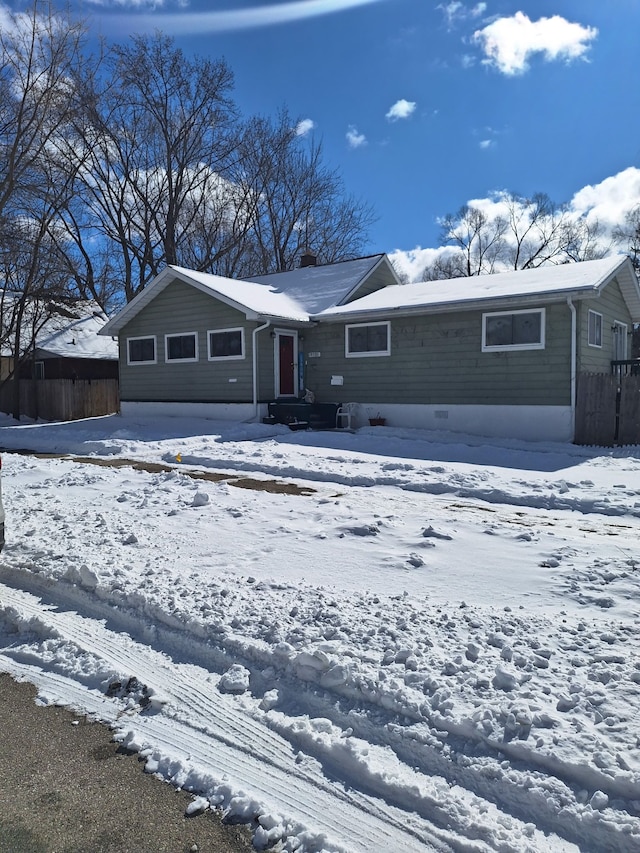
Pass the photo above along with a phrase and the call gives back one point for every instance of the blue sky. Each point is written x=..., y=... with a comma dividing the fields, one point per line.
x=424, y=105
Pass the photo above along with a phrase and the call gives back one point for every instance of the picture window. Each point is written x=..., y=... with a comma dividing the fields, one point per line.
x=513, y=330
x=226, y=344
x=141, y=350
x=181, y=347
x=367, y=339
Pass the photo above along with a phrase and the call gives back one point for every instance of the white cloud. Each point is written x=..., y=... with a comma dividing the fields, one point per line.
x=305, y=126
x=605, y=203
x=509, y=43
x=451, y=11
x=355, y=139
x=486, y=143
x=401, y=109
x=455, y=11
x=411, y=264
x=609, y=201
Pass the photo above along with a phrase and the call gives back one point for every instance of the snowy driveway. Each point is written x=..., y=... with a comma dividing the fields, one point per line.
x=436, y=649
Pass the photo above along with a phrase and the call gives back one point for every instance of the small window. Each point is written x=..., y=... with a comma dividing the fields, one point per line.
x=365, y=339
x=226, y=343
x=38, y=370
x=181, y=347
x=513, y=330
x=141, y=350
x=595, y=329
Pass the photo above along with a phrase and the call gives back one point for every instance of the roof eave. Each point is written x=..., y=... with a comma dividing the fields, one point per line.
x=125, y=315
x=459, y=305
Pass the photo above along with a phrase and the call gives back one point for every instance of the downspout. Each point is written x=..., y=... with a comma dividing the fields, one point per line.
x=254, y=348
x=574, y=357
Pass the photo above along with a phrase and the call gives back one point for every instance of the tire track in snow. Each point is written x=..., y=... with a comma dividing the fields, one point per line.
x=256, y=759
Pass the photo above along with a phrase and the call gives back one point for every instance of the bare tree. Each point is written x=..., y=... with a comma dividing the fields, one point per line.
x=41, y=64
x=478, y=238
x=513, y=232
x=157, y=144
x=293, y=201
x=627, y=235
x=147, y=164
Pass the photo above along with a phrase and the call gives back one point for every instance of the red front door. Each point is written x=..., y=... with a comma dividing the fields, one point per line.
x=286, y=366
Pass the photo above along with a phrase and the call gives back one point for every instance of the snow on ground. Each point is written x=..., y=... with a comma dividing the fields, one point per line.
x=431, y=646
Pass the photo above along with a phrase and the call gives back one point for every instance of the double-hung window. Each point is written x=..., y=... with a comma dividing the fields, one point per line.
x=595, y=329
x=225, y=344
x=513, y=330
x=183, y=347
x=141, y=350
x=367, y=339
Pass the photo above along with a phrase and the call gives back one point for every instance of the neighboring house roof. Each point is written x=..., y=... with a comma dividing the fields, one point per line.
x=71, y=332
x=65, y=337
x=327, y=285
x=543, y=284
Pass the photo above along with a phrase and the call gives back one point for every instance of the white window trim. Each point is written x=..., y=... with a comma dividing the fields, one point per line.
x=374, y=353
x=179, y=360
x=514, y=347
x=143, y=338
x=596, y=314
x=225, y=357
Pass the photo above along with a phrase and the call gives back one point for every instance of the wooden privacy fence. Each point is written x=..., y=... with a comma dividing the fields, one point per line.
x=607, y=409
x=62, y=399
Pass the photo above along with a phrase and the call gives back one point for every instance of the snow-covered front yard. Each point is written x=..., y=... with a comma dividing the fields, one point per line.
x=433, y=646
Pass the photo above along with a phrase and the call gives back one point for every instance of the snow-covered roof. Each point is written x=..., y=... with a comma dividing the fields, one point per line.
x=321, y=292
x=253, y=298
x=78, y=337
x=551, y=283
x=321, y=287
x=256, y=301
x=72, y=331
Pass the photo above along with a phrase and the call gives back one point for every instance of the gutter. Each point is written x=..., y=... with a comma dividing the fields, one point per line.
x=574, y=359
x=254, y=353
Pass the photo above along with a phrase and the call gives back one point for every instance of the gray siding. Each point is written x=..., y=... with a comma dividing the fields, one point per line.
x=379, y=278
x=438, y=359
x=182, y=308
x=266, y=366
x=612, y=306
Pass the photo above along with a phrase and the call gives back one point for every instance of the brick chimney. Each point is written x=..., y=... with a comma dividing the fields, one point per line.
x=308, y=259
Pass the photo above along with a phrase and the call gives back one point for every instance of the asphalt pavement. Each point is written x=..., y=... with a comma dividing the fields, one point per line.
x=66, y=787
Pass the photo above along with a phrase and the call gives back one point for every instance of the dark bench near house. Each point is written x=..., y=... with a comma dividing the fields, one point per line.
x=297, y=414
